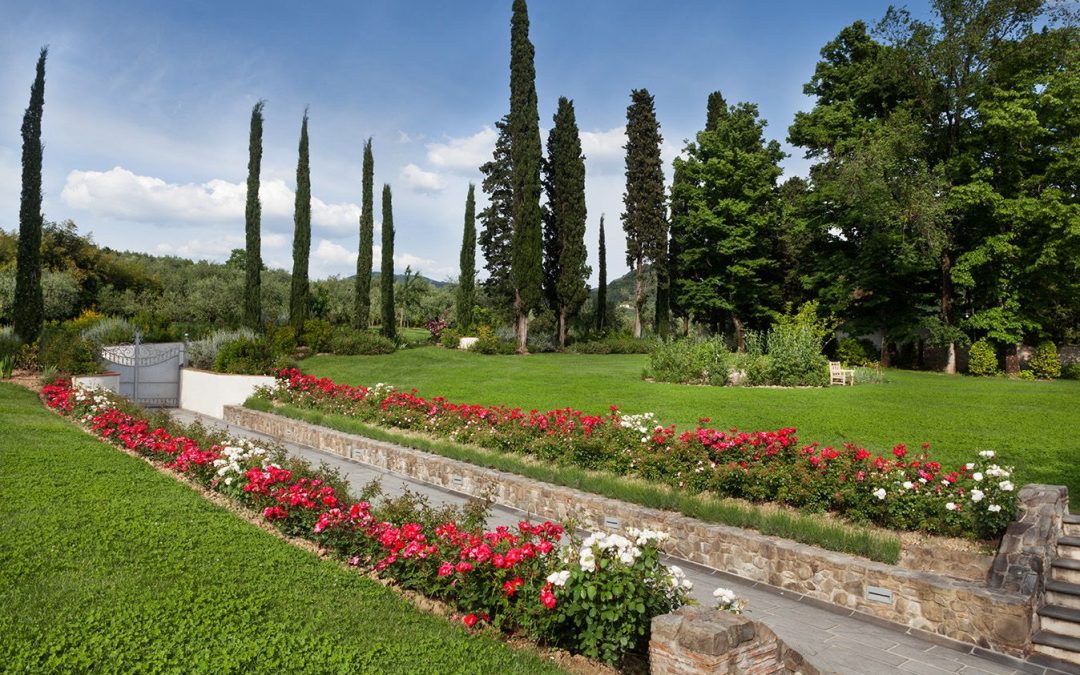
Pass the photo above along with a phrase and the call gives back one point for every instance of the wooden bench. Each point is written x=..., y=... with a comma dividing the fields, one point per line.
x=841, y=376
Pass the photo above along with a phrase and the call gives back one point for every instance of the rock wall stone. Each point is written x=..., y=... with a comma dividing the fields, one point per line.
x=1030, y=542
x=695, y=639
x=968, y=611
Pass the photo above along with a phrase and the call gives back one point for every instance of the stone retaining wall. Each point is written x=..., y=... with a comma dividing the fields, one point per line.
x=695, y=639
x=1030, y=542
x=962, y=610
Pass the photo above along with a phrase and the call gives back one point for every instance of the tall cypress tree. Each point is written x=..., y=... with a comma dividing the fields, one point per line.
x=497, y=222
x=601, y=291
x=253, y=223
x=564, y=237
x=29, y=310
x=367, y=236
x=525, y=152
x=715, y=111
x=386, y=274
x=298, y=298
x=466, y=290
x=644, y=216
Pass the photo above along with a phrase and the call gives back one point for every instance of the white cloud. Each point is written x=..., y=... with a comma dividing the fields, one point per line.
x=463, y=154
x=274, y=240
x=422, y=181
x=217, y=248
x=604, y=146
x=333, y=258
x=333, y=254
x=123, y=195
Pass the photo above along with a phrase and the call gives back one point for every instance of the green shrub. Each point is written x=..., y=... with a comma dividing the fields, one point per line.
x=65, y=350
x=489, y=343
x=109, y=331
x=794, y=349
x=1071, y=371
x=351, y=342
x=854, y=352
x=450, y=338
x=1026, y=375
x=282, y=339
x=7, y=366
x=317, y=335
x=613, y=344
x=1045, y=364
x=982, y=359
x=245, y=356
x=690, y=362
x=9, y=342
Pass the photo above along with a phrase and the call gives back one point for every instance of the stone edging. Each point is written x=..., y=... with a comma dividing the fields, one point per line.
x=961, y=610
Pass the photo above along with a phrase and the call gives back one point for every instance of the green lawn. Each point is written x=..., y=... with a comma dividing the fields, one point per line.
x=1029, y=424
x=107, y=565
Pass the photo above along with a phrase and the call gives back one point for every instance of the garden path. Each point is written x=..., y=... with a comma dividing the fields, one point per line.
x=833, y=639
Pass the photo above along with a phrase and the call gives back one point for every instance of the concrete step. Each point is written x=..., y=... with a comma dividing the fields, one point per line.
x=1060, y=620
x=1063, y=594
x=1068, y=547
x=1065, y=569
x=1061, y=648
x=1071, y=525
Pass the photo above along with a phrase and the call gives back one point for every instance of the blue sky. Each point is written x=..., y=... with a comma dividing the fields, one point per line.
x=147, y=106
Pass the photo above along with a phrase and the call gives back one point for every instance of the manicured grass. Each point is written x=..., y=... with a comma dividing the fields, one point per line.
x=107, y=565
x=1031, y=425
x=807, y=529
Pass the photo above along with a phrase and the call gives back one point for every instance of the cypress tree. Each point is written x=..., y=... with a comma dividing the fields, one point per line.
x=564, y=255
x=601, y=291
x=525, y=152
x=386, y=275
x=29, y=303
x=497, y=222
x=680, y=213
x=367, y=236
x=644, y=210
x=253, y=223
x=716, y=110
x=298, y=298
x=466, y=289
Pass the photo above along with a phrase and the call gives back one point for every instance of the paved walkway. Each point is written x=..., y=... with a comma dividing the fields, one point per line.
x=833, y=639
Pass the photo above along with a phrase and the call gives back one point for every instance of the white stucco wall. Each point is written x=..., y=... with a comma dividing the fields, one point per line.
x=109, y=381
x=208, y=393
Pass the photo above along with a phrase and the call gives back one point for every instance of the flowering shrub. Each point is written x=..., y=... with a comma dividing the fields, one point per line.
x=596, y=597
x=902, y=490
x=727, y=601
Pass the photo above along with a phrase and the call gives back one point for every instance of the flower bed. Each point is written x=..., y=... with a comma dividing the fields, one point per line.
x=596, y=596
x=903, y=490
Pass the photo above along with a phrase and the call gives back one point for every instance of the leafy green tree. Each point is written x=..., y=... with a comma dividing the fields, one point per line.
x=497, y=223
x=727, y=213
x=367, y=238
x=253, y=223
x=29, y=300
x=466, y=280
x=644, y=216
x=298, y=298
x=526, y=257
x=601, y=288
x=565, y=268
x=386, y=276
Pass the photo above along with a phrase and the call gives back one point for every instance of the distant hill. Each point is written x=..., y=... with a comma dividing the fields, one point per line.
x=621, y=290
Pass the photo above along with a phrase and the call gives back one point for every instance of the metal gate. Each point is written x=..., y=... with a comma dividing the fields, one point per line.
x=149, y=373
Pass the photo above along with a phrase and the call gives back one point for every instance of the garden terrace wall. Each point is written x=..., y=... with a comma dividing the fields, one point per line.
x=960, y=610
x=208, y=393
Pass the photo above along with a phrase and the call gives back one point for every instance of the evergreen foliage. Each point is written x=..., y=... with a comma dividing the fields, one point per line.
x=386, y=275
x=298, y=297
x=253, y=224
x=29, y=302
x=565, y=267
x=601, y=289
x=644, y=216
x=526, y=258
x=466, y=281
x=367, y=237
x=497, y=222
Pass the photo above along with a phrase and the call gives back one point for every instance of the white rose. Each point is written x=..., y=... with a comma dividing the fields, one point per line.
x=977, y=495
x=986, y=454
x=908, y=485
x=993, y=508
x=976, y=476
x=950, y=506
x=1005, y=485
x=880, y=493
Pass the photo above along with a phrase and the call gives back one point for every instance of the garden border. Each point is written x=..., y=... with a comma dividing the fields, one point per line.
x=964, y=611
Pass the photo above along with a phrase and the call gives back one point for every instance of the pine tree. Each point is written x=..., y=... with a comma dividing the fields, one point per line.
x=565, y=268
x=367, y=236
x=601, y=290
x=466, y=281
x=29, y=309
x=497, y=223
x=298, y=298
x=253, y=224
x=527, y=247
x=644, y=216
x=386, y=274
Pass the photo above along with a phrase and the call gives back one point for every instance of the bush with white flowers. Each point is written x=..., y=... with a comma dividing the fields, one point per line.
x=727, y=601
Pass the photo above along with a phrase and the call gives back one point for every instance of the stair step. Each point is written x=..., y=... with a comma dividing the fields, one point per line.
x=1060, y=620
x=1063, y=594
x=1061, y=647
x=1069, y=547
x=1072, y=518
x=1065, y=569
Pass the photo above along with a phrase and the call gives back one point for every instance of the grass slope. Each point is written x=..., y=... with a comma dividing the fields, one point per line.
x=1029, y=424
x=107, y=565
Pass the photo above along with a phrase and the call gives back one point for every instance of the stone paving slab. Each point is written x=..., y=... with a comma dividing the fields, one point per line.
x=834, y=639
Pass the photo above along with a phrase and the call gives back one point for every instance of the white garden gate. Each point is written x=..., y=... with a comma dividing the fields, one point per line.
x=149, y=373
